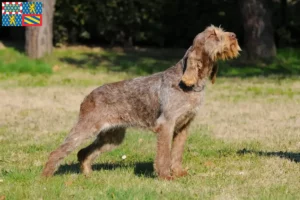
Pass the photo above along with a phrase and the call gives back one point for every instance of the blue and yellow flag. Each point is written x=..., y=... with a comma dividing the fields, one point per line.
x=32, y=8
x=32, y=20
x=12, y=8
x=22, y=13
x=11, y=20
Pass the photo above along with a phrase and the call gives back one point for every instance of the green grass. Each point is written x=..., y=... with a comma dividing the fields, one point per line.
x=67, y=62
x=12, y=62
x=287, y=63
x=217, y=170
x=243, y=145
x=83, y=66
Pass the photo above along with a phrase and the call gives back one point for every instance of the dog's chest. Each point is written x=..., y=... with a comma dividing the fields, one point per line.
x=194, y=103
x=184, y=119
x=196, y=100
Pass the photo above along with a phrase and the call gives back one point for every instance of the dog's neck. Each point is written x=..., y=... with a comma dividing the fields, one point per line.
x=204, y=75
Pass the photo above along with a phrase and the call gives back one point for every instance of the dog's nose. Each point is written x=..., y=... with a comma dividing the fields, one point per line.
x=232, y=35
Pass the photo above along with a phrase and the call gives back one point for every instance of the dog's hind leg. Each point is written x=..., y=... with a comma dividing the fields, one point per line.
x=83, y=130
x=106, y=141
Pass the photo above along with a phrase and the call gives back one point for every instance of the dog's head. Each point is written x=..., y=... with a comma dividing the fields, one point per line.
x=209, y=46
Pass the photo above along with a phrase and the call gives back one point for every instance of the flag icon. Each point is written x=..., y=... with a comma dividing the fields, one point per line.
x=11, y=20
x=11, y=8
x=32, y=7
x=22, y=13
x=32, y=20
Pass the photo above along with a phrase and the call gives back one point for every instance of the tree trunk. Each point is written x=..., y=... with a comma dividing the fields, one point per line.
x=38, y=40
x=258, y=30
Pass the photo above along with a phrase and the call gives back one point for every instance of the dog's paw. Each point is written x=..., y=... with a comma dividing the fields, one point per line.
x=167, y=178
x=180, y=173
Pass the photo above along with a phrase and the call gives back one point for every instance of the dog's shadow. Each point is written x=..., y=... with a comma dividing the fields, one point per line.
x=295, y=157
x=144, y=169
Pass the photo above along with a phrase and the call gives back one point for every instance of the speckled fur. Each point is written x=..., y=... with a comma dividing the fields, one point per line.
x=164, y=102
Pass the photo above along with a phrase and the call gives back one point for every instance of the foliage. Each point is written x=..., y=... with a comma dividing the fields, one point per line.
x=111, y=21
x=159, y=22
x=162, y=23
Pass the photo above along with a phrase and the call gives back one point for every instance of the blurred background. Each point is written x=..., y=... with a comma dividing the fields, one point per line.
x=268, y=30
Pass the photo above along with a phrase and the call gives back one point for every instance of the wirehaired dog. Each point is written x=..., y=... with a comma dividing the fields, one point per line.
x=164, y=102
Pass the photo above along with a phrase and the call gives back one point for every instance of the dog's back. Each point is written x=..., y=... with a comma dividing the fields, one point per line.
x=133, y=102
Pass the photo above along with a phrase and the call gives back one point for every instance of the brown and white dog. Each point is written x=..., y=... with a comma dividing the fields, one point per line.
x=164, y=102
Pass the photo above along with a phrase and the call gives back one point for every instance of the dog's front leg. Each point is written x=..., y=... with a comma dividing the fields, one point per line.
x=162, y=164
x=177, y=153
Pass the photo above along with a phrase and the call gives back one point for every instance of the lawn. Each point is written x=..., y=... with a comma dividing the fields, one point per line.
x=244, y=144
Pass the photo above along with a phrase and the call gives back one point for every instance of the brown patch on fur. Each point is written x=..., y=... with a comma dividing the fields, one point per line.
x=164, y=102
x=209, y=46
x=214, y=72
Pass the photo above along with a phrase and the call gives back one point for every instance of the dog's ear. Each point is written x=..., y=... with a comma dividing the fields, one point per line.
x=192, y=65
x=213, y=74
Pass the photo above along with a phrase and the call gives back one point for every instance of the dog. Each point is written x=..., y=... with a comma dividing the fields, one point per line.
x=165, y=102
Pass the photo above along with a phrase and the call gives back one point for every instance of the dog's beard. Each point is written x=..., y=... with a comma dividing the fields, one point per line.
x=223, y=52
x=230, y=53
